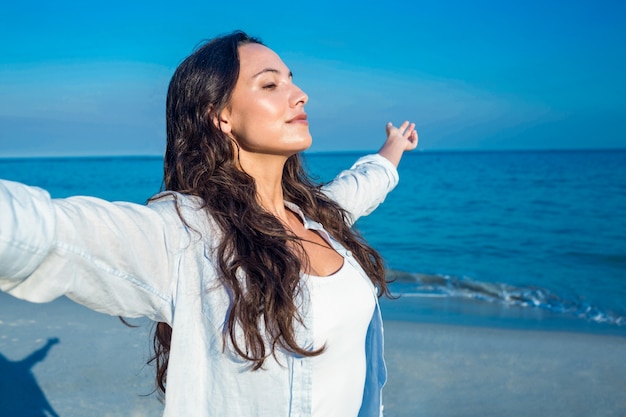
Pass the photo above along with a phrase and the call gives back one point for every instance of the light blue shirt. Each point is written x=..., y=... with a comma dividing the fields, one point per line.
x=132, y=260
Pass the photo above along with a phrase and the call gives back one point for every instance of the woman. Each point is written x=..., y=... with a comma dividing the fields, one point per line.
x=265, y=297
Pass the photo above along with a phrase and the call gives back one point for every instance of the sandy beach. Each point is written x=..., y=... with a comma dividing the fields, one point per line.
x=62, y=359
x=445, y=370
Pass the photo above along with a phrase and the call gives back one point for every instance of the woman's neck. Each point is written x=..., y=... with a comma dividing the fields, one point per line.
x=267, y=171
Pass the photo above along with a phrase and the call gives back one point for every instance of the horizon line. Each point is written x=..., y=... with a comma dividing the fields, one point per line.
x=346, y=152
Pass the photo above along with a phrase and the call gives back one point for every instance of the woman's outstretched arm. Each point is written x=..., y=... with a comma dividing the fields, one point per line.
x=116, y=258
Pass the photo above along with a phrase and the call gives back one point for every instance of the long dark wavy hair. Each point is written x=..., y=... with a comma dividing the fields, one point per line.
x=258, y=260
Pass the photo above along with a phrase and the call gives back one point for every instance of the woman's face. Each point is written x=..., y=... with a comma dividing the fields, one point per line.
x=266, y=112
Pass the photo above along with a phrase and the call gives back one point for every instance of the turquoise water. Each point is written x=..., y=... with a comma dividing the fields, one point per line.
x=533, y=237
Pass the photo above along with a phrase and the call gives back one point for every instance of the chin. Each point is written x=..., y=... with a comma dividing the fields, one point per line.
x=301, y=145
x=307, y=144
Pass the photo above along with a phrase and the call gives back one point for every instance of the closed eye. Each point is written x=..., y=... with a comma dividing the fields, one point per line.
x=269, y=86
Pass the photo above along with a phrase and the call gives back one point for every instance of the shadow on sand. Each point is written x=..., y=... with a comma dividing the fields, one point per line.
x=20, y=395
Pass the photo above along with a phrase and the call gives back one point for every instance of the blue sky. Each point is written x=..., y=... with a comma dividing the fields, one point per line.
x=85, y=79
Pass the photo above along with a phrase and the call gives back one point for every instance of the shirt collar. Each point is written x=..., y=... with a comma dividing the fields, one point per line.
x=308, y=223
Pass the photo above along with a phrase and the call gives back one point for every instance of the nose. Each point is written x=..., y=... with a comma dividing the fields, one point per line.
x=298, y=96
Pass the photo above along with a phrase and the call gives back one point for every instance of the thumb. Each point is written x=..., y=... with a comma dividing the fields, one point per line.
x=388, y=127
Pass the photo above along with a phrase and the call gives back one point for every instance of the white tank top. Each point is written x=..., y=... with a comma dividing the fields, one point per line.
x=342, y=305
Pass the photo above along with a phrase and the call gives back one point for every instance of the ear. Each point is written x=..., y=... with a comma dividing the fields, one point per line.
x=222, y=121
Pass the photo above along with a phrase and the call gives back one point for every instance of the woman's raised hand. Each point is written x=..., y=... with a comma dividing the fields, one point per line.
x=399, y=139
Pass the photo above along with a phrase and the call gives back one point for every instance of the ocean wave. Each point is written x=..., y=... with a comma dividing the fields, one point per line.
x=425, y=285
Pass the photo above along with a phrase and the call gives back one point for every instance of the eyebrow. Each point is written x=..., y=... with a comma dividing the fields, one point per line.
x=274, y=70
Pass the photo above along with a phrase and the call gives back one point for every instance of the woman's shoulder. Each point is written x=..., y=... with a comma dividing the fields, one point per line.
x=187, y=207
x=189, y=211
x=168, y=200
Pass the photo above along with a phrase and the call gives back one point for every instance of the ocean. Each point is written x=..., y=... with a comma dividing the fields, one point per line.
x=532, y=239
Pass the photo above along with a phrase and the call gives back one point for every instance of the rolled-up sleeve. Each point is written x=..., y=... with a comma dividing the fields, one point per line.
x=363, y=187
x=116, y=258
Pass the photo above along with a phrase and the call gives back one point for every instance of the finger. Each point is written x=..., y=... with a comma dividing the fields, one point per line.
x=409, y=130
x=404, y=126
x=388, y=127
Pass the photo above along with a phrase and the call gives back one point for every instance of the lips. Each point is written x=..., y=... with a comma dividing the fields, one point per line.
x=301, y=118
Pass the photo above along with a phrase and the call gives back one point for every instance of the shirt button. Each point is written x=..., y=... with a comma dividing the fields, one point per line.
x=349, y=253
